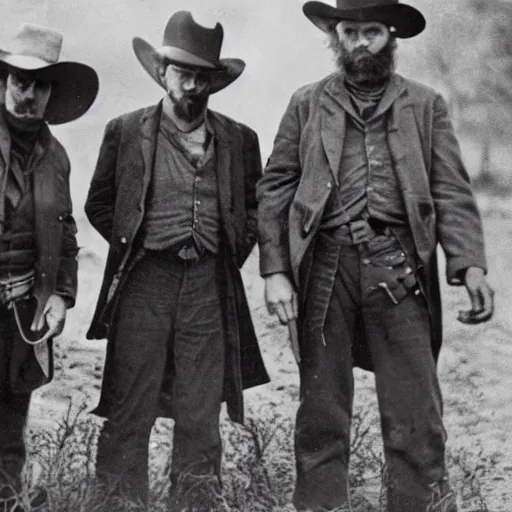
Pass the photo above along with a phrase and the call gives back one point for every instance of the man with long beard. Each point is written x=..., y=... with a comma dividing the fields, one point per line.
x=365, y=179
x=174, y=194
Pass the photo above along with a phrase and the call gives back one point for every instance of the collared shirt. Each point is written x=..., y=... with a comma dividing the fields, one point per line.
x=182, y=203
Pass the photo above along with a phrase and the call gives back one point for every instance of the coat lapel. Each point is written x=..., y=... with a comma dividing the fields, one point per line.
x=225, y=175
x=150, y=122
x=333, y=123
x=223, y=157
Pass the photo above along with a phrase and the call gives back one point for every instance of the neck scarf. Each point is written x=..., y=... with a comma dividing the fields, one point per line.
x=365, y=100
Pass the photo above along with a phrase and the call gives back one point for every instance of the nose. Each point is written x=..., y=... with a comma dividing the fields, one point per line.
x=190, y=84
x=29, y=92
x=362, y=41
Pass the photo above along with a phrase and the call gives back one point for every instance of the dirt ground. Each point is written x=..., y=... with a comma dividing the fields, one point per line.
x=475, y=364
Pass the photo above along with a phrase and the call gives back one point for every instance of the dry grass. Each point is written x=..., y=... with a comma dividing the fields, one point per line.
x=258, y=466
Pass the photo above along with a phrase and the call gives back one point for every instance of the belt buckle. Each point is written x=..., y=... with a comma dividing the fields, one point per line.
x=360, y=231
x=189, y=253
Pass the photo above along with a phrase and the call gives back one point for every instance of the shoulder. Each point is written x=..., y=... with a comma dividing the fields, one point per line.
x=59, y=153
x=231, y=126
x=132, y=118
x=312, y=91
x=419, y=91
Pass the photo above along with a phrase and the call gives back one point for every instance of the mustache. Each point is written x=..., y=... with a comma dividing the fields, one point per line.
x=25, y=107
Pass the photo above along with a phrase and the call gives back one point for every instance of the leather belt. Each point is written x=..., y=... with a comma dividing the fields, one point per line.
x=361, y=231
x=187, y=251
x=16, y=287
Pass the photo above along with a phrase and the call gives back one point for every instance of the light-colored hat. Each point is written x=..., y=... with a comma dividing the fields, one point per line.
x=35, y=51
x=404, y=20
x=187, y=43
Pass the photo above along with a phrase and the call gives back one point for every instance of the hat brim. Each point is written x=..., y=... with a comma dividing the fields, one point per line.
x=74, y=85
x=405, y=20
x=223, y=74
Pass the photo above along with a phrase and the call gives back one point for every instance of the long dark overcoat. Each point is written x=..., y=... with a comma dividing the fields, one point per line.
x=304, y=168
x=115, y=207
x=55, y=240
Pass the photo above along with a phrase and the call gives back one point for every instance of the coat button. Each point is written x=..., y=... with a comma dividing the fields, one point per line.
x=60, y=218
x=329, y=185
x=123, y=240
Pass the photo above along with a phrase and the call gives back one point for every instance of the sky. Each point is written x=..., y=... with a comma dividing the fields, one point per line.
x=281, y=47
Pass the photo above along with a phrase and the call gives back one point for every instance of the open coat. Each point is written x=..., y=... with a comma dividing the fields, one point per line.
x=304, y=166
x=55, y=236
x=115, y=207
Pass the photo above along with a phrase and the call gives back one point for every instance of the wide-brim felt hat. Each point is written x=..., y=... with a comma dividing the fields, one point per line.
x=188, y=44
x=35, y=51
x=404, y=20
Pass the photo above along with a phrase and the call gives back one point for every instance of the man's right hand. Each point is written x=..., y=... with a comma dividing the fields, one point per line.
x=281, y=297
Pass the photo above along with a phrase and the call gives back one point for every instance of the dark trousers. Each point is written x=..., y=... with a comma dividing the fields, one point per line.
x=168, y=330
x=14, y=404
x=399, y=343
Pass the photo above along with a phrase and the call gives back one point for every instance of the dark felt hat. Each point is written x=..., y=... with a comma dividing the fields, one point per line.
x=187, y=43
x=404, y=20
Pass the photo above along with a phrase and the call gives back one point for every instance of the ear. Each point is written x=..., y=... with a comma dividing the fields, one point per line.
x=161, y=69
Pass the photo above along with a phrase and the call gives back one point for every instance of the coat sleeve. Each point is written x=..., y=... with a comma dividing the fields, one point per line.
x=252, y=165
x=100, y=203
x=66, y=285
x=459, y=227
x=275, y=193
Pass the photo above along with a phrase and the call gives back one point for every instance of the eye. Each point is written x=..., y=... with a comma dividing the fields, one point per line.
x=349, y=32
x=373, y=32
x=20, y=80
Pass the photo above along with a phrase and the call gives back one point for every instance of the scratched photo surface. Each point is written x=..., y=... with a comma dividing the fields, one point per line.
x=465, y=53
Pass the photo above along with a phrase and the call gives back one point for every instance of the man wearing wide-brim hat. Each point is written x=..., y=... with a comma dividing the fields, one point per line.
x=38, y=267
x=364, y=181
x=173, y=194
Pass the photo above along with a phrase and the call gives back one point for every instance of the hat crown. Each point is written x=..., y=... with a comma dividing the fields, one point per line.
x=184, y=33
x=362, y=4
x=37, y=41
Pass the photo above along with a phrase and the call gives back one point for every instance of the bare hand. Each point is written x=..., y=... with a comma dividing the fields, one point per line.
x=54, y=314
x=280, y=297
x=481, y=296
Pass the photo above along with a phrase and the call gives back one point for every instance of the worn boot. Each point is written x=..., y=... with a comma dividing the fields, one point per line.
x=442, y=499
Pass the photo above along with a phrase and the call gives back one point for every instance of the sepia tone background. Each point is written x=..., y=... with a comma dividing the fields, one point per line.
x=465, y=52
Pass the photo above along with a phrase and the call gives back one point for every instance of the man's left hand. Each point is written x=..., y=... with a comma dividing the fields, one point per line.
x=481, y=296
x=55, y=315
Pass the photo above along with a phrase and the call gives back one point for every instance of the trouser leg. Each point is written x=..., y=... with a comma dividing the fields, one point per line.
x=198, y=382
x=142, y=329
x=13, y=410
x=322, y=438
x=13, y=414
x=399, y=339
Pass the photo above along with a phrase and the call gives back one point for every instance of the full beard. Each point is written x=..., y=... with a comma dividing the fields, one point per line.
x=363, y=68
x=190, y=107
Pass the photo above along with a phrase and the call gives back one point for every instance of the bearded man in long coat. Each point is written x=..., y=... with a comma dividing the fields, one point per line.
x=364, y=181
x=174, y=194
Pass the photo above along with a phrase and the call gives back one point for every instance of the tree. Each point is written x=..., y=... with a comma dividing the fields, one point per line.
x=473, y=59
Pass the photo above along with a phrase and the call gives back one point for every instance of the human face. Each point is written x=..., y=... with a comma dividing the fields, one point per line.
x=354, y=45
x=188, y=88
x=25, y=97
x=371, y=35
